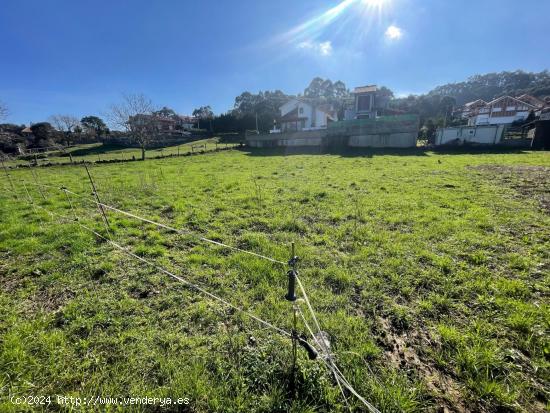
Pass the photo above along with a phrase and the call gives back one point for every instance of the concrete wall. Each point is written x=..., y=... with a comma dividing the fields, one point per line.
x=390, y=140
x=489, y=134
x=387, y=132
x=299, y=138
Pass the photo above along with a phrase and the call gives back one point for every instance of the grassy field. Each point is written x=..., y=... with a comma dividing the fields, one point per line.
x=430, y=273
x=95, y=152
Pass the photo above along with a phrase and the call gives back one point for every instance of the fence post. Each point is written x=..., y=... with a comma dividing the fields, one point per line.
x=9, y=179
x=291, y=296
x=99, y=205
x=38, y=186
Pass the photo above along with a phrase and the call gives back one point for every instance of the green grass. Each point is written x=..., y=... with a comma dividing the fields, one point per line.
x=429, y=271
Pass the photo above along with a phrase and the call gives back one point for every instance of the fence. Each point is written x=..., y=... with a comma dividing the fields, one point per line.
x=317, y=335
x=128, y=155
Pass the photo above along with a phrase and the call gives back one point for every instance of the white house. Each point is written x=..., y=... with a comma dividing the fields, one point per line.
x=503, y=110
x=299, y=114
x=469, y=109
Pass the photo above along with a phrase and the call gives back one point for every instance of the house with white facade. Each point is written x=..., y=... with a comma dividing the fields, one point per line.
x=502, y=110
x=531, y=100
x=301, y=115
x=469, y=109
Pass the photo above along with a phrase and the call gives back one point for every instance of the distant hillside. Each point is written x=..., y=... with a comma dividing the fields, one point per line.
x=492, y=85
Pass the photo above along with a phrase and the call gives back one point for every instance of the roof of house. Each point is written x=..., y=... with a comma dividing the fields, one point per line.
x=365, y=89
x=292, y=116
x=187, y=118
x=530, y=99
x=27, y=130
x=475, y=102
x=323, y=108
x=492, y=102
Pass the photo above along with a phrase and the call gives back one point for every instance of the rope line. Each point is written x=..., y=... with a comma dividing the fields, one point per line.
x=177, y=277
x=329, y=360
x=169, y=228
x=336, y=376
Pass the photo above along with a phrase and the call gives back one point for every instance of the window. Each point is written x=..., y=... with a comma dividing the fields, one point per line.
x=363, y=103
x=301, y=111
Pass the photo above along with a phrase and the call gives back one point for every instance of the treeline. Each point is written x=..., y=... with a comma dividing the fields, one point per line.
x=494, y=85
x=253, y=111
x=262, y=109
x=68, y=130
x=435, y=107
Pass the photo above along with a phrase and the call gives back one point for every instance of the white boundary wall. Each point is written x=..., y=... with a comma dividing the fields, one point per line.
x=489, y=134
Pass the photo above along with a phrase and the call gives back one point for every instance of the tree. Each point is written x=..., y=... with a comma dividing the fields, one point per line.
x=134, y=115
x=264, y=105
x=203, y=113
x=3, y=111
x=94, y=126
x=64, y=123
x=340, y=91
x=44, y=134
x=315, y=88
x=166, y=112
x=492, y=85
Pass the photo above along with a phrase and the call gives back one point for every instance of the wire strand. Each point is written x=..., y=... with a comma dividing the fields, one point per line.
x=177, y=277
x=168, y=227
x=324, y=361
x=330, y=363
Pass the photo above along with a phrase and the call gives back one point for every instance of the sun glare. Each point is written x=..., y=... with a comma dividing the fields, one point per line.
x=375, y=4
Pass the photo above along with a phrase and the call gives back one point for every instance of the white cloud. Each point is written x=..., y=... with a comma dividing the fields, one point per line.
x=305, y=45
x=325, y=48
x=322, y=48
x=393, y=32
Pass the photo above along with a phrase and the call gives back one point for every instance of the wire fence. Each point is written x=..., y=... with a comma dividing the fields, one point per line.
x=70, y=157
x=316, y=332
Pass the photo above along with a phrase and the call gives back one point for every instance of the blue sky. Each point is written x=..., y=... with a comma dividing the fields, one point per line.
x=77, y=57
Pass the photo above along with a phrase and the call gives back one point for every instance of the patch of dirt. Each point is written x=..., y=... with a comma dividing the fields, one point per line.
x=531, y=182
x=401, y=351
x=49, y=300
